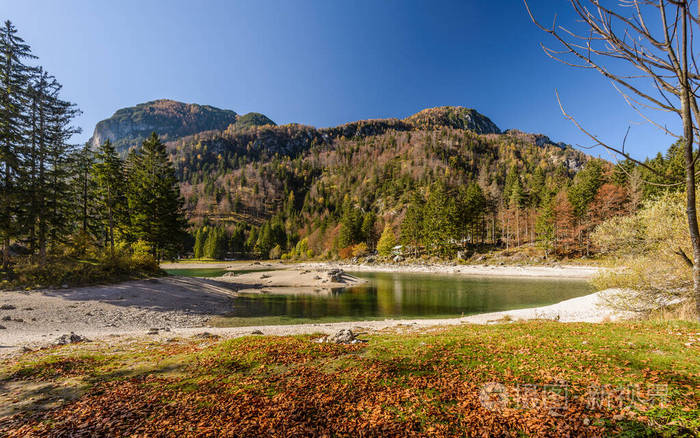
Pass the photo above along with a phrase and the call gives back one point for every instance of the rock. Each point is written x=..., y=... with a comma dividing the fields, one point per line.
x=256, y=332
x=397, y=259
x=72, y=338
x=2, y=327
x=344, y=336
x=153, y=280
x=7, y=307
x=18, y=320
x=64, y=286
x=153, y=331
x=264, y=276
x=206, y=335
x=6, y=318
x=370, y=259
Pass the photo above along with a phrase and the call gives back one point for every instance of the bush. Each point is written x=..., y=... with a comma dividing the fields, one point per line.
x=108, y=267
x=276, y=252
x=345, y=253
x=647, y=244
x=360, y=249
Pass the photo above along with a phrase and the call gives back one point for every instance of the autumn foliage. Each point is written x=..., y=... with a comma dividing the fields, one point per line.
x=396, y=385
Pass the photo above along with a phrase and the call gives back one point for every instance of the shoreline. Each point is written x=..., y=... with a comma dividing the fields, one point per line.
x=510, y=271
x=581, y=272
x=182, y=306
x=585, y=309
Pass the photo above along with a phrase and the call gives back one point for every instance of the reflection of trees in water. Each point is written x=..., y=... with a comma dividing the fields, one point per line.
x=406, y=295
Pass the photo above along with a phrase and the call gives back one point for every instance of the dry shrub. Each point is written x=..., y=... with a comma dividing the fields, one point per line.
x=647, y=244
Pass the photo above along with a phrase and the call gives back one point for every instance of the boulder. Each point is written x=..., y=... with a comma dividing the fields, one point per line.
x=71, y=338
x=344, y=336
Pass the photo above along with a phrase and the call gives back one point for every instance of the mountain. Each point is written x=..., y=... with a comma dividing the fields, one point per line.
x=170, y=119
x=295, y=183
x=453, y=117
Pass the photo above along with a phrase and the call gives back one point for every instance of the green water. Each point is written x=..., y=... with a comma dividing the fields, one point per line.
x=209, y=272
x=197, y=272
x=401, y=295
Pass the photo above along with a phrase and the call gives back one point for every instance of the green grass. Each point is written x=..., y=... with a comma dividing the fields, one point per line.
x=396, y=384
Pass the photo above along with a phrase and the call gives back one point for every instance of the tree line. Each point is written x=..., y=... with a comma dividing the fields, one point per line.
x=57, y=198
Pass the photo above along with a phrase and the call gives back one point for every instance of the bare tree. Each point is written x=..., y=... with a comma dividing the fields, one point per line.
x=645, y=48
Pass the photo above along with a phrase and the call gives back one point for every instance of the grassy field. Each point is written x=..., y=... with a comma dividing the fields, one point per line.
x=520, y=379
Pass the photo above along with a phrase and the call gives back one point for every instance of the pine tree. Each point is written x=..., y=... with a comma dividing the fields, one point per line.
x=544, y=226
x=440, y=219
x=84, y=192
x=154, y=199
x=48, y=167
x=108, y=172
x=412, y=225
x=199, y=241
x=14, y=80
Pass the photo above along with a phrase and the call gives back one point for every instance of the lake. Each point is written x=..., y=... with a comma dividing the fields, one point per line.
x=402, y=295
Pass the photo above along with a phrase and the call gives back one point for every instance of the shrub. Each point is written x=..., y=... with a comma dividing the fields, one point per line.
x=108, y=267
x=345, y=253
x=360, y=249
x=276, y=252
x=648, y=244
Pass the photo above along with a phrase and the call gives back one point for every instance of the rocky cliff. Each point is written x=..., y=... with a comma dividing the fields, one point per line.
x=171, y=120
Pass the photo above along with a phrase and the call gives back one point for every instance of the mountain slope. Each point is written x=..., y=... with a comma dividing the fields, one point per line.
x=377, y=163
x=170, y=119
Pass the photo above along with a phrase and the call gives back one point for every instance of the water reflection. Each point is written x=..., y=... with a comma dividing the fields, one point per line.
x=403, y=295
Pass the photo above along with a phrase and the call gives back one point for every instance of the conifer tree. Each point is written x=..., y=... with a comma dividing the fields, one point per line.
x=412, y=225
x=108, y=172
x=84, y=193
x=199, y=241
x=154, y=199
x=14, y=79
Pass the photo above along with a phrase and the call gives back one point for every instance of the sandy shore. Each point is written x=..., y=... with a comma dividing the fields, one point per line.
x=560, y=271
x=179, y=306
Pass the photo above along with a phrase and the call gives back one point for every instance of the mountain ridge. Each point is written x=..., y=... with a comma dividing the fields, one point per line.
x=170, y=119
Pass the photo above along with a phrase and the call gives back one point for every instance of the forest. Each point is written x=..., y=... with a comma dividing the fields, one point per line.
x=71, y=214
x=439, y=191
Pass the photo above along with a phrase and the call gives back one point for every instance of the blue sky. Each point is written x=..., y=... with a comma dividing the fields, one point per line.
x=324, y=63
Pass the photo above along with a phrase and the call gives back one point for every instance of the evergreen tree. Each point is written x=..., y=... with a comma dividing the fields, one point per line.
x=351, y=224
x=84, y=192
x=48, y=167
x=367, y=228
x=200, y=239
x=108, y=172
x=440, y=220
x=154, y=199
x=412, y=225
x=544, y=225
x=14, y=79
